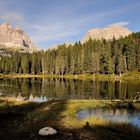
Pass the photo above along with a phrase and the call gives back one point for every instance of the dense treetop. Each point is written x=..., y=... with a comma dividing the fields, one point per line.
x=94, y=56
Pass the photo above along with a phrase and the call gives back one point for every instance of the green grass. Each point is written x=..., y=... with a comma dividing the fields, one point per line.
x=26, y=118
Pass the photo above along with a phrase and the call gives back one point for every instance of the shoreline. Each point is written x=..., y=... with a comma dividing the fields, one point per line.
x=127, y=76
x=100, y=102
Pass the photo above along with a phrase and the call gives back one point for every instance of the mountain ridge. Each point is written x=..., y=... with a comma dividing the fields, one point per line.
x=107, y=33
x=15, y=38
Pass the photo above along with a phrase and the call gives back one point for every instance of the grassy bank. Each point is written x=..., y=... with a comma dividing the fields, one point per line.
x=26, y=118
x=131, y=76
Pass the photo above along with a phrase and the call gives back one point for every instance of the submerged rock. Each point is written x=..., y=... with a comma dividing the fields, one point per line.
x=47, y=131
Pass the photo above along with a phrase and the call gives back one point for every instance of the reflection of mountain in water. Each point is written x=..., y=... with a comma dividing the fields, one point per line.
x=42, y=89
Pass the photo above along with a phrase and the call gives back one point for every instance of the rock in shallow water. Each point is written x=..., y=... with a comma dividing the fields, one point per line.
x=47, y=131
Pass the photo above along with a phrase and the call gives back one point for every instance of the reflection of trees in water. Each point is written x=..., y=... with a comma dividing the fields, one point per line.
x=103, y=89
x=96, y=89
x=66, y=88
x=111, y=89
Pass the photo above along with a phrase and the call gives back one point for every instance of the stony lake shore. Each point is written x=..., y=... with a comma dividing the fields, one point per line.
x=23, y=119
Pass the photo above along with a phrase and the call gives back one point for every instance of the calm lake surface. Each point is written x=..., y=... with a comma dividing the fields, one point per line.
x=43, y=89
x=110, y=114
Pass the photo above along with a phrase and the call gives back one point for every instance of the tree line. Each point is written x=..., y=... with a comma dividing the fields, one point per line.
x=94, y=56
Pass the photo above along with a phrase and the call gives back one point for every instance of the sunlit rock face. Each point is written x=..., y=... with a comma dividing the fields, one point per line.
x=15, y=39
x=107, y=33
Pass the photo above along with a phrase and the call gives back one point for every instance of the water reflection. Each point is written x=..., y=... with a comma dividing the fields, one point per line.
x=41, y=89
x=115, y=115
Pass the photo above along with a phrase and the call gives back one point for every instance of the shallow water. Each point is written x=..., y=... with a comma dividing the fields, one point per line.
x=110, y=114
x=42, y=89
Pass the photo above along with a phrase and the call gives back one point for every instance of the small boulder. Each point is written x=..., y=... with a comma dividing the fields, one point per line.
x=47, y=131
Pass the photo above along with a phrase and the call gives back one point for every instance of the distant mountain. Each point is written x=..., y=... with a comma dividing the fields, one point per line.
x=107, y=33
x=15, y=39
x=55, y=46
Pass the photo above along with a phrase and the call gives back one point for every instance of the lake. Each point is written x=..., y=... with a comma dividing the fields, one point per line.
x=112, y=114
x=43, y=89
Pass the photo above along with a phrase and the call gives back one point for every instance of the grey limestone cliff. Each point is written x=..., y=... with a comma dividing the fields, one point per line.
x=15, y=39
x=107, y=33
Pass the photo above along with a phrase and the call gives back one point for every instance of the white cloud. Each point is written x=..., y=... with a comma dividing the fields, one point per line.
x=58, y=25
x=12, y=17
x=122, y=23
x=61, y=29
x=65, y=28
x=50, y=37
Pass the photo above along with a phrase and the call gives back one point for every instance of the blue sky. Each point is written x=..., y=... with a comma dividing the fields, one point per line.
x=50, y=22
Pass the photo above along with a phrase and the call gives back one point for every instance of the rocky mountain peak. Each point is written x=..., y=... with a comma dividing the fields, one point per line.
x=107, y=33
x=15, y=39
